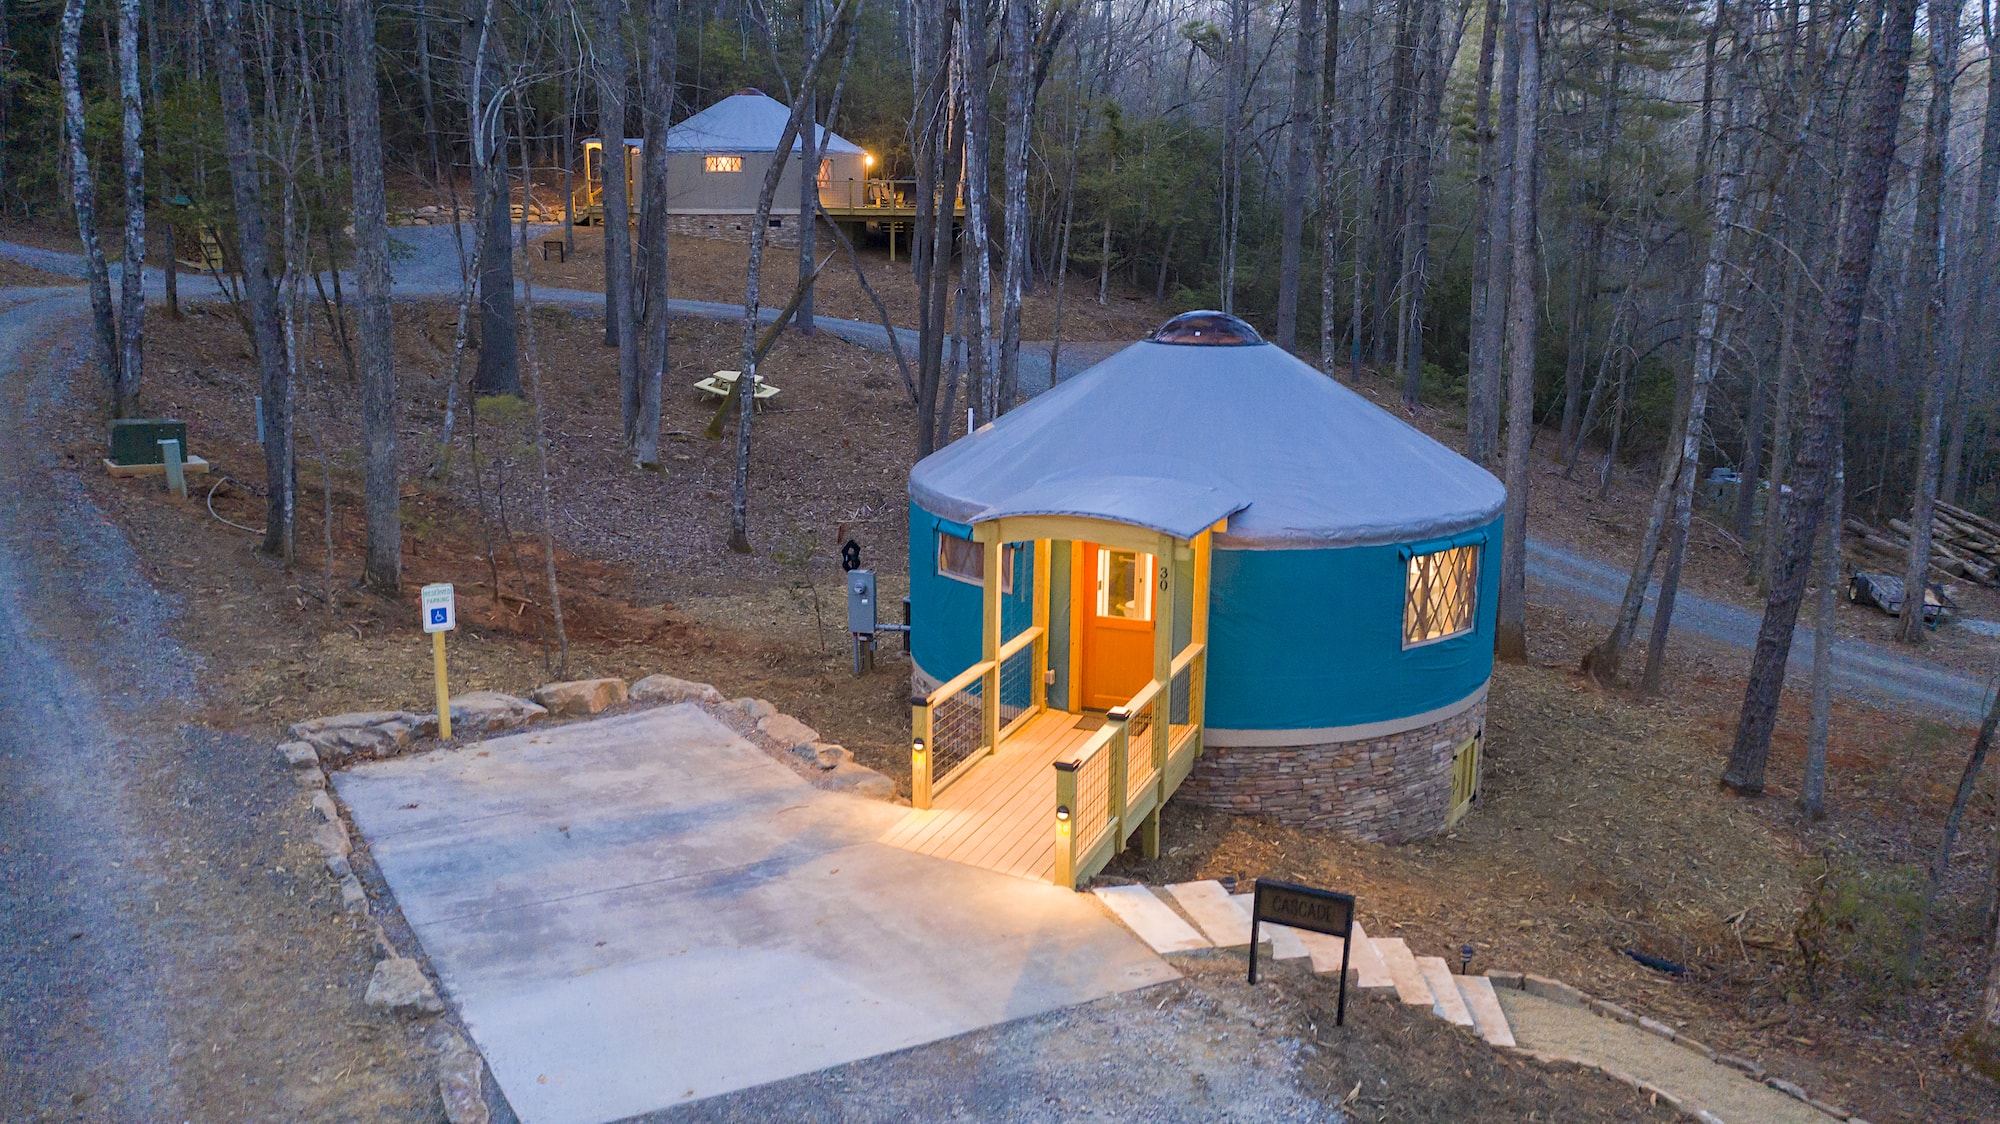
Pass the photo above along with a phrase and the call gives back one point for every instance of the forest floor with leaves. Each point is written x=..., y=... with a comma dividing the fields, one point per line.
x=1601, y=828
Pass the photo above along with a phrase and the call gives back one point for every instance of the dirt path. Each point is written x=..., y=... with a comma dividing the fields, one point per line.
x=1548, y=1027
x=168, y=948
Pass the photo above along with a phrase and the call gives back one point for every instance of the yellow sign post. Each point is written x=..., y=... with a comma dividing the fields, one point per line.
x=440, y=615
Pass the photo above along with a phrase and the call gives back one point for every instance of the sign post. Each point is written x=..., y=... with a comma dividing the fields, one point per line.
x=1303, y=907
x=440, y=614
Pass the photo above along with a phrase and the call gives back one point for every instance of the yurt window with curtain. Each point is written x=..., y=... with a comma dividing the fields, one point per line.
x=962, y=559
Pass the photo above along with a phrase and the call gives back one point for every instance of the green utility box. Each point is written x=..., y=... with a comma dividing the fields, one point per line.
x=137, y=440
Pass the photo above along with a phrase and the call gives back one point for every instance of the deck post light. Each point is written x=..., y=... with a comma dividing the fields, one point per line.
x=1062, y=813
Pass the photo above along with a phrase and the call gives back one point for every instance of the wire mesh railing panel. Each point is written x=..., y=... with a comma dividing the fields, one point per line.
x=1140, y=728
x=1177, y=695
x=1093, y=798
x=1017, y=684
x=958, y=729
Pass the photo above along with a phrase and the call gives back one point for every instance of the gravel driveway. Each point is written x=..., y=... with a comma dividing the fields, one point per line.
x=168, y=948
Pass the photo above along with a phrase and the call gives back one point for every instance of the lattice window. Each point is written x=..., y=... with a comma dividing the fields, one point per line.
x=722, y=163
x=1442, y=595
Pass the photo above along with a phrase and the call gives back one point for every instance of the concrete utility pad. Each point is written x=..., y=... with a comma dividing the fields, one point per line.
x=639, y=911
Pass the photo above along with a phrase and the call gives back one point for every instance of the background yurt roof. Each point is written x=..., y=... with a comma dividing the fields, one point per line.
x=1174, y=437
x=746, y=121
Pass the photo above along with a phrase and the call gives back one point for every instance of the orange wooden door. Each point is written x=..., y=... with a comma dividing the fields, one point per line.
x=1115, y=624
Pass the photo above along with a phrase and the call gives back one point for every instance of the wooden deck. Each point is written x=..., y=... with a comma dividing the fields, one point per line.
x=1001, y=814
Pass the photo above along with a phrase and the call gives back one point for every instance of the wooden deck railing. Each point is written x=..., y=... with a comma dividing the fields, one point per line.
x=966, y=717
x=1119, y=778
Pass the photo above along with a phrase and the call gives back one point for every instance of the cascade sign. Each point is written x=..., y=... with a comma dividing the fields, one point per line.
x=1304, y=907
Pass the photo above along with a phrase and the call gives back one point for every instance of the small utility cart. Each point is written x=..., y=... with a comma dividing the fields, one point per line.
x=1885, y=592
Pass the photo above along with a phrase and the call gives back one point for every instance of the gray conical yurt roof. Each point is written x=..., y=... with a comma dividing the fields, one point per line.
x=1176, y=436
x=747, y=121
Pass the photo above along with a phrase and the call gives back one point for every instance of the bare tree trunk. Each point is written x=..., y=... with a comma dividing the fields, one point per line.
x=541, y=433
x=977, y=262
x=1416, y=279
x=1866, y=186
x=1708, y=343
x=382, y=566
x=1298, y=169
x=1017, y=28
x=1985, y=256
x=499, y=370
x=1928, y=256
x=1483, y=237
x=1331, y=161
x=620, y=313
x=260, y=292
x=746, y=382
x=1511, y=630
x=1770, y=528
x=1812, y=790
x=945, y=163
x=809, y=157
x=1482, y=429
x=1104, y=242
x=1968, y=780
x=1237, y=93
x=83, y=196
x=132, y=274
x=662, y=54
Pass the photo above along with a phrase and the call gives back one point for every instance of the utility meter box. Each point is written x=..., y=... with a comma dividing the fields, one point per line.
x=861, y=602
x=137, y=440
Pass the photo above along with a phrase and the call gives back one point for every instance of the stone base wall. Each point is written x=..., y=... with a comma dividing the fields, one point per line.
x=1380, y=790
x=736, y=228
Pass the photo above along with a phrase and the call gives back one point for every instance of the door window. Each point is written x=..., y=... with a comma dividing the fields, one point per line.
x=1125, y=585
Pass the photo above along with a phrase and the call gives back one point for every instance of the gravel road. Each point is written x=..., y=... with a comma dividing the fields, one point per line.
x=168, y=949
x=1863, y=671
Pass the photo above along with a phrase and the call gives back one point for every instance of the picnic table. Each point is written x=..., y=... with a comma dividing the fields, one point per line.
x=722, y=384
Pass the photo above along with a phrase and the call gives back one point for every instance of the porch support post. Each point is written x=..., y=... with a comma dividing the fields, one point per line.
x=989, y=692
x=1204, y=545
x=1066, y=810
x=1041, y=656
x=1171, y=577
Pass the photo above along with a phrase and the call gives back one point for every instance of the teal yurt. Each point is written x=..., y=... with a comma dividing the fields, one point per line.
x=1207, y=529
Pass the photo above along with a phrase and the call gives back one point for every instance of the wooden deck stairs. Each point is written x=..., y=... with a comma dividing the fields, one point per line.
x=1195, y=915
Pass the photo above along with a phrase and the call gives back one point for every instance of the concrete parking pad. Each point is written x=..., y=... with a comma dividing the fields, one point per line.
x=639, y=911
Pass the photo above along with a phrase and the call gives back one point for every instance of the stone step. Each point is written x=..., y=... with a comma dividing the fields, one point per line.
x=1477, y=991
x=1371, y=971
x=1209, y=905
x=1153, y=920
x=1324, y=950
x=1446, y=1002
x=1403, y=972
x=1287, y=943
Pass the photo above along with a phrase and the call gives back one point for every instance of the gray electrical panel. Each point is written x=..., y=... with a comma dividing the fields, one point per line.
x=861, y=602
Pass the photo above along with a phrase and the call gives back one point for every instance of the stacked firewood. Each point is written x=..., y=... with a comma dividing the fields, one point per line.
x=1963, y=545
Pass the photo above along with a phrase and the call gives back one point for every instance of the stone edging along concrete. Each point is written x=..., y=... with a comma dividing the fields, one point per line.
x=403, y=983
x=1559, y=992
